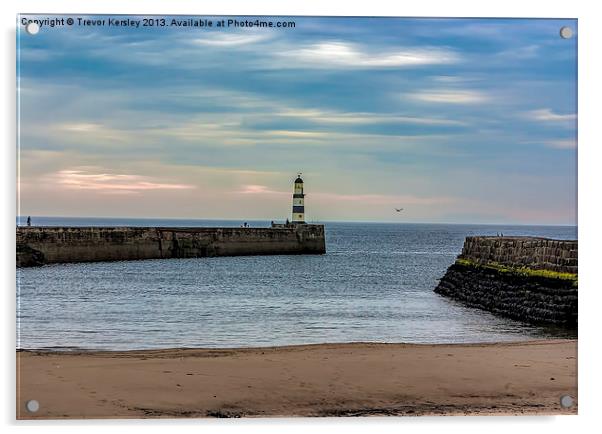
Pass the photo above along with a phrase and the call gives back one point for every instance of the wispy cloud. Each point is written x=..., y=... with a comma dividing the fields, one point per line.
x=230, y=39
x=330, y=54
x=299, y=134
x=450, y=96
x=383, y=199
x=258, y=189
x=110, y=183
x=561, y=143
x=548, y=115
x=334, y=117
x=81, y=127
x=454, y=79
x=524, y=52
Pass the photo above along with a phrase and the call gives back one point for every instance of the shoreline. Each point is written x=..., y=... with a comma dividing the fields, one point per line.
x=339, y=379
x=142, y=351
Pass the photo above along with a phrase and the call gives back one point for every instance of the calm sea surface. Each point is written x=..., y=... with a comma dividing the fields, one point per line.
x=375, y=283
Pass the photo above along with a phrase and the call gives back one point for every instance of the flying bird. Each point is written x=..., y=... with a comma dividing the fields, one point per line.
x=399, y=209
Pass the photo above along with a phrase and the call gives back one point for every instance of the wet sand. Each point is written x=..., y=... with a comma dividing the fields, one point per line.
x=357, y=379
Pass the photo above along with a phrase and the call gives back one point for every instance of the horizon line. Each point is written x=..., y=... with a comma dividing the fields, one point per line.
x=316, y=221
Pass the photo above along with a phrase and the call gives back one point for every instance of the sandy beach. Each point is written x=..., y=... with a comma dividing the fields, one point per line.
x=356, y=379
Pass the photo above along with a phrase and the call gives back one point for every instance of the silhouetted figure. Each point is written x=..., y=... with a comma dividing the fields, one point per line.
x=287, y=222
x=29, y=221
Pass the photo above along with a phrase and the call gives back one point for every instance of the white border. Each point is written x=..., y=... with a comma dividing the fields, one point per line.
x=589, y=196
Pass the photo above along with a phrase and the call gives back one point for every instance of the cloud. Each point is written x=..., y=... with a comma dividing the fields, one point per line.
x=547, y=115
x=449, y=96
x=330, y=54
x=81, y=127
x=299, y=134
x=230, y=39
x=110, y=183
x=569, y=143
x=258, y=189
x=355, y=118
x=454, y=79
x=525, y=52
x=382, y=199
x=561, y=143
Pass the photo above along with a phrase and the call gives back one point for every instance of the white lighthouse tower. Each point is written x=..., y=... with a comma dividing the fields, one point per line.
x=298, y=201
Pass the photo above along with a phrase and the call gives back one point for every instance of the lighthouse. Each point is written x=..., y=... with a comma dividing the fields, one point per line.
x=298, y=201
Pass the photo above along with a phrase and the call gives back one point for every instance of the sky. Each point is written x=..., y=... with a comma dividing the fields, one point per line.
x=454, y=120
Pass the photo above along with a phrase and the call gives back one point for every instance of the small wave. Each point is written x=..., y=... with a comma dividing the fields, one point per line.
x=51, y=348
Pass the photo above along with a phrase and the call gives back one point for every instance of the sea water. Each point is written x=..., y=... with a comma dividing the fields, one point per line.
x=374, y=284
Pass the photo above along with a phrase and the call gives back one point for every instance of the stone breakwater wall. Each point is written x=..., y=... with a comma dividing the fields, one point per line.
x=530, y=252
x=47, y=245
x=520, y=278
